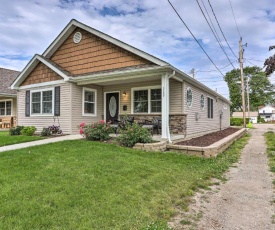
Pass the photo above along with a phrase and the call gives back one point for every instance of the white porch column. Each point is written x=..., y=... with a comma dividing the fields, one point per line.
x=164, y=106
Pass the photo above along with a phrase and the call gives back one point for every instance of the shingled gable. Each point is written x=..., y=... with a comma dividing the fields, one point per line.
x=95, y=53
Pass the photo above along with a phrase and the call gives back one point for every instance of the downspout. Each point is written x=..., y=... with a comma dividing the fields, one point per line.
x=168, y=104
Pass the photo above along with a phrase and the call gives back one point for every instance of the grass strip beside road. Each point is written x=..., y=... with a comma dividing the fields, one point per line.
x=91, y=185
x=6, y=139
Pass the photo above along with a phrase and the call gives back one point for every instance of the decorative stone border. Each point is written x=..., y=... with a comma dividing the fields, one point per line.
x=209, y=151
x=154, y=147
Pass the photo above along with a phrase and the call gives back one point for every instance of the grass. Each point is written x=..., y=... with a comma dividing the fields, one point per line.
x=270, y=141
x=91, y=185
x=6, y=139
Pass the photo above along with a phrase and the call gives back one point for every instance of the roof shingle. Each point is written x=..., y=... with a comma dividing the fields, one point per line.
x=7, y=76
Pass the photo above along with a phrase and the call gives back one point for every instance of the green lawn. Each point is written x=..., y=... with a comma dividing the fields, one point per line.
x=6, y=139
x=90, y=185
x=270, y=140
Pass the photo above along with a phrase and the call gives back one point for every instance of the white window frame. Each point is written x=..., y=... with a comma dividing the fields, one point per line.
x=189, y=106
x=210, y=108
x=149, y=98
x=83, y=102
x=6, y=107
x=41, y=102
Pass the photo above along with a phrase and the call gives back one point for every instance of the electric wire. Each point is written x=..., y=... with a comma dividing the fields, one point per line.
x=221, y=28
x=234, y=18
x=219, y=42
x=194, y=37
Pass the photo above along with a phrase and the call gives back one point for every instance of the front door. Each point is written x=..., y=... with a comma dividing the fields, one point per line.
x=112, y=105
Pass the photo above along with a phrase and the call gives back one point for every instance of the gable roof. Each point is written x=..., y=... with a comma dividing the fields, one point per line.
x=73, y=24
x=7, y=76
x=32, y=64
x=160, y=65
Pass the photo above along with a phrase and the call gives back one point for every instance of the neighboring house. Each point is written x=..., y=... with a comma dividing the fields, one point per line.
x=267, y=112
x=86, y=76
x=253, y=116
x=8, y=101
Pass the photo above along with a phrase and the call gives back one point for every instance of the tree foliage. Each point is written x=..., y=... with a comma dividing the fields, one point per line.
x=260, y=88
x=270, y=63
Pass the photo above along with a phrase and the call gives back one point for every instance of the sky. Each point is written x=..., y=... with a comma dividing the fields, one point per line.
x=29, y=26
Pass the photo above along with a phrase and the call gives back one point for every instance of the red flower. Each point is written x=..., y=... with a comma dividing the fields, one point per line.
x=81, y=131
x=82, y=124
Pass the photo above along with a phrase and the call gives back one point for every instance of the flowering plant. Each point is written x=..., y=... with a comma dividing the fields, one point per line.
x=52, y=129
x=96, y=131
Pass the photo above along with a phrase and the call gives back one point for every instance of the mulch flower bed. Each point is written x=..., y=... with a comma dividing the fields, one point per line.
x=209, y=139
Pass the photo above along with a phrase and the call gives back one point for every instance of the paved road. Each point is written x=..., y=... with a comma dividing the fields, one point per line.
x=244, y=201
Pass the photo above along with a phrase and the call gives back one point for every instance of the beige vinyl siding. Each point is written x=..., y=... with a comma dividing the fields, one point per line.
x=204, y=124
x=175, y=96
x=77, y=105
x=44, y=121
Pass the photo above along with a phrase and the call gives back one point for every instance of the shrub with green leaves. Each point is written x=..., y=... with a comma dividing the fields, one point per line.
x=45, y=132
x=28, y=130
x=237, y=121
x=15, y=130
x=98, y=131
x=133, y=134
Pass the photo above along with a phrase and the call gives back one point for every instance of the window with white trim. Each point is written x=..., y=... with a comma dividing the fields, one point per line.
x=42, y=102
x=189, y=97
x=5, y=108
x=89, y=102
x=210, y=108
x=146, y=100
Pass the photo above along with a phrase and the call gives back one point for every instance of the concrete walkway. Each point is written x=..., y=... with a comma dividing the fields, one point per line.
x=245, y=201
x=40, y=142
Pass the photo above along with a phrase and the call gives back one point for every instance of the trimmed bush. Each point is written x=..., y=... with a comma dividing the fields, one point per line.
x=98, y=131
x=237, y=121
x=28, y=130
x=16, y=130
x=133, y=134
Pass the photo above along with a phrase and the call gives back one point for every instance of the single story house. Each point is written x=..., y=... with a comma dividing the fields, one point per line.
x=267, y=112
x=8, y=97
x=253, y=116
x=87, y=76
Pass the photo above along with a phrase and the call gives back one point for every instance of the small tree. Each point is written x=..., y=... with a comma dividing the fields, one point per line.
x=270, y=63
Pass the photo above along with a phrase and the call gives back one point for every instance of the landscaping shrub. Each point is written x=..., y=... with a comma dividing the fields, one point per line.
x=15, y=130
x=98, y=131
x=237, y=121
x=260, y=119
x=45, y=132
x=50, y=130
x=28, y=130
x=133, y=134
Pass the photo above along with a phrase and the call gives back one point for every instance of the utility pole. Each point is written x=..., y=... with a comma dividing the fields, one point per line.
x=193, y=72
x=247, y=92
x=242, y=80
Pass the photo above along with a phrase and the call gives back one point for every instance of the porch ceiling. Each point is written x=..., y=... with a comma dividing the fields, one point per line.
x=116, y=81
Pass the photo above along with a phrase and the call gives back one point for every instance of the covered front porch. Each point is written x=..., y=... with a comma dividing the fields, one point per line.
x=143, y=95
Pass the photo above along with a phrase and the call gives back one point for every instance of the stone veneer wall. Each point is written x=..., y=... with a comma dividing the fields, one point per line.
x=177, y=122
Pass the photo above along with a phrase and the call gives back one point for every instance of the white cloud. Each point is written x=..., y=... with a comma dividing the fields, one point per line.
x=29, y=26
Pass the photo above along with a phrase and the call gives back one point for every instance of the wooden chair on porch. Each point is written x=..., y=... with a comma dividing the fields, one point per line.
x=6, y=122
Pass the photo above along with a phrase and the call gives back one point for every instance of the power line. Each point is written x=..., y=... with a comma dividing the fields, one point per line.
x=219, y=42
x=194, y=37
x=234, y=18
x=214, y=69
x=221, y=28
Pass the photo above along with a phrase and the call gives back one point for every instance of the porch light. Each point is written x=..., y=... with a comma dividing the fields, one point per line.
x=124, y=94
